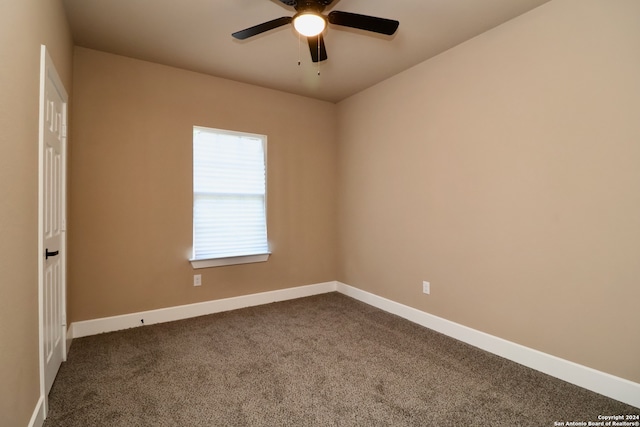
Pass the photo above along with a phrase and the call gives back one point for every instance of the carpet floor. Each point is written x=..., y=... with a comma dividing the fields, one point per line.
x=326, y=360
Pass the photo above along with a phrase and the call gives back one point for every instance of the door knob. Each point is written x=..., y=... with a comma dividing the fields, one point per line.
x=47, y=254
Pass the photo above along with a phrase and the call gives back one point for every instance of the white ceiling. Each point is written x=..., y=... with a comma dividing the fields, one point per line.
x=196, y=35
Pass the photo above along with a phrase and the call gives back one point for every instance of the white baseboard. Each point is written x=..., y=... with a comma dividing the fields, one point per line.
x=600, y=382
x=69, y=340
x=37, y=419
x=132, y=320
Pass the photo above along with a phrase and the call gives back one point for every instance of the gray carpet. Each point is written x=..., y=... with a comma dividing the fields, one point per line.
x=325, y=360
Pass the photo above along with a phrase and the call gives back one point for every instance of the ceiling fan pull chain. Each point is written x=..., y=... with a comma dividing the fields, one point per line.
x=319, y=35
x=299, y=37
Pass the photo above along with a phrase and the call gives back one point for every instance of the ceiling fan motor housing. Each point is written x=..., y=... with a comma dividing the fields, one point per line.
x=304, y=4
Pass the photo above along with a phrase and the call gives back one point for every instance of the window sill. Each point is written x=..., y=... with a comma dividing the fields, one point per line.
x=220, y=262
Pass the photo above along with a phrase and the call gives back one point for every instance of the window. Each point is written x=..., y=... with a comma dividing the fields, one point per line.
x=229, y=198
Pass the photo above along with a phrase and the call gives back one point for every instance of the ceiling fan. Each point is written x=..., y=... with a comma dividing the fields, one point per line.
x=310, y=22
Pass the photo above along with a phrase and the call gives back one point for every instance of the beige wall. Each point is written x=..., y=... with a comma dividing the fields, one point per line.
x=131, y=184
x=506, y=172
x=24, y=25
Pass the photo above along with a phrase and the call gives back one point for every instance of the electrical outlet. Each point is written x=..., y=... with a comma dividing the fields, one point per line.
x=197, y=279
x=426, y=287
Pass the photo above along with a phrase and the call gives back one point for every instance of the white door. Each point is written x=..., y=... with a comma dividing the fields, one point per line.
x=52, y=212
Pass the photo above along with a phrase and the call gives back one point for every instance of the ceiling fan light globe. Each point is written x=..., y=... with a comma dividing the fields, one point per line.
x=309, y=24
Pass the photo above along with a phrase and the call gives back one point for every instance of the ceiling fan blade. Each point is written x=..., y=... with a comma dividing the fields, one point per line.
x=261, y=28
x=364, y=22
x=318, y=53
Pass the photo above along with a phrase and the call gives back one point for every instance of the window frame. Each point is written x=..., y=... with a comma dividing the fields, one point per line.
x=198, y=263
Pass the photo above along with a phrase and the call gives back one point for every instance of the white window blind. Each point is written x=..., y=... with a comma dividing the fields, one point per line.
x=229, y=194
